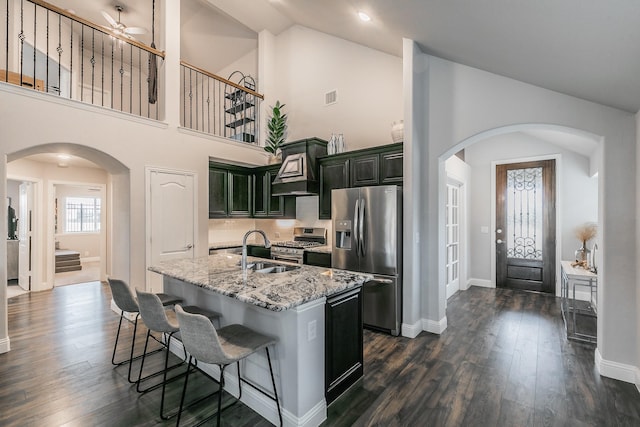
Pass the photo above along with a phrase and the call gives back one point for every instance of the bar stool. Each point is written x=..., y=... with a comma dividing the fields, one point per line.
x=222, y=347
x=124, y=299
x=155, y=318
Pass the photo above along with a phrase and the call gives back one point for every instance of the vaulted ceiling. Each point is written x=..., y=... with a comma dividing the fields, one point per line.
x=586, y=48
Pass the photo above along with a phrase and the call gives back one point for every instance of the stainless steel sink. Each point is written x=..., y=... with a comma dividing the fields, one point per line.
x=270, y=267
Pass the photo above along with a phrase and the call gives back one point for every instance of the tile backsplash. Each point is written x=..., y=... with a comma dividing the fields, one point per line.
x=233, y=229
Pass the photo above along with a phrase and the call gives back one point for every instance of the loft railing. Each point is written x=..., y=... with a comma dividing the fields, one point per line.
x=219, y=106
x=51, y=50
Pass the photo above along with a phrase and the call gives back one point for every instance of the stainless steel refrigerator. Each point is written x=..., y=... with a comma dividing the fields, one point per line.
x=367, y=228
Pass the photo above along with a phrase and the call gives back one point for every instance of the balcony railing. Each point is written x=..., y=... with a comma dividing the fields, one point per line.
x=220, y=106
x=51, y=50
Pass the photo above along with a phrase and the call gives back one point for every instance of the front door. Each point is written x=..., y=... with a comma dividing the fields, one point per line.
x=525, y=226
x=172, y=220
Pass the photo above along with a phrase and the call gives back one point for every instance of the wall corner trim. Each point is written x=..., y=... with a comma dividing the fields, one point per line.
x=617, y=371
x=411, y=330
x=435, y=327
x=5, y=345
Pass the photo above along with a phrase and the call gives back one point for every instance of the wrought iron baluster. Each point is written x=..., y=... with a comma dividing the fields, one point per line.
x=35, y=43
x=21, y=36
x=71, y=62
x=47, y=60
x=102, y=72
x=121, y=75
x=6, y=50
x=81, y=62
x=209, y=105
x=112, y=64
x=93, y=65
x=196, y=103
x=190, y=100
x=59, y=49
x=140, y=82
x=131, y=78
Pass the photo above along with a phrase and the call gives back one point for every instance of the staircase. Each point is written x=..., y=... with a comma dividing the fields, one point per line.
x=67, y=261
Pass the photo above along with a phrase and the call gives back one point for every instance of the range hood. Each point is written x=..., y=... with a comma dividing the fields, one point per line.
x=299, y=173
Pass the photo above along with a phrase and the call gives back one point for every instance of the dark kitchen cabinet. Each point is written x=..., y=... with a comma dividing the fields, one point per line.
x=343, y=342
x=230, y=191
x=259, y=251
x=365, y=170
x=391, y=167
x=372, y=166
x=218, y=192
x=240, y=194
x=319, y=259
x=334, y=173
x=264, y=204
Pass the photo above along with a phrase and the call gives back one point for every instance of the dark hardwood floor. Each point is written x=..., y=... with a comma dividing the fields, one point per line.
x=503, y=360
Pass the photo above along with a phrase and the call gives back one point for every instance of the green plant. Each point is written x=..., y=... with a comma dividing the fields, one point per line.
x=277, y=128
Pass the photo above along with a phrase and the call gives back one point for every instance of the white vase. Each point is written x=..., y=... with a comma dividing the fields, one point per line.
x=397, y=131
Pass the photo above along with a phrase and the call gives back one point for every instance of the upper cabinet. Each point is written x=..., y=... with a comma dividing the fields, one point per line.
x=373, y=166
x=266, y=205
x=241, y=192
x=334, y=173
x=230, y=191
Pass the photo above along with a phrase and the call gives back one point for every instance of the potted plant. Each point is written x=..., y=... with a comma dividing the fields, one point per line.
x=276, y=131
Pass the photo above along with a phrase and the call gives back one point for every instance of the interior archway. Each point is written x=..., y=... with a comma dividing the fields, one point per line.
x=118, y=196
x=583, y=143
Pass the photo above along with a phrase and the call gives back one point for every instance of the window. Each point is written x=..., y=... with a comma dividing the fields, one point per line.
x=82, y=215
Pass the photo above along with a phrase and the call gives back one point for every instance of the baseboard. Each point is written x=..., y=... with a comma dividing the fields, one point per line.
x=617, y=371
x=433, y=326
x=257, y=401
x=411, y=331
x=5, y=345
x=480, y=282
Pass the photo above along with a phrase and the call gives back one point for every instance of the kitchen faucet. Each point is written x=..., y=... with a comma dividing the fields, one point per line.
x=243, y=263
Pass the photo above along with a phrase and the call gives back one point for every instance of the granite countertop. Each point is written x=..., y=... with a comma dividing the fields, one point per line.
x=320, y=249
x=221, y=273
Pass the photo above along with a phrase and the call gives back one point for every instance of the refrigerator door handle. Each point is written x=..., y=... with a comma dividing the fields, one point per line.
x=361, y=225
x=355, y=226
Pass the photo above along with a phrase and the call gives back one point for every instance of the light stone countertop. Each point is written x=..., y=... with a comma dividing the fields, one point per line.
x=278, y=291
x=320, y=249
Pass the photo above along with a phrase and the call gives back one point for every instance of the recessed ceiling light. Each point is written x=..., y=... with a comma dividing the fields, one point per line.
x=364, y=17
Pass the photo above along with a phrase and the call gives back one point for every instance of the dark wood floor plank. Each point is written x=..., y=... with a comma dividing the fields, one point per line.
x=503, y=360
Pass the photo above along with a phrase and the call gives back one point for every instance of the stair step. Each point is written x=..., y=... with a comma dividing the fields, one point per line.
x=68, y=268
x=68, y=263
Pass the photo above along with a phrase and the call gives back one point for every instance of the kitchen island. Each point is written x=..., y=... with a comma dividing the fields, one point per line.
x=289, y=306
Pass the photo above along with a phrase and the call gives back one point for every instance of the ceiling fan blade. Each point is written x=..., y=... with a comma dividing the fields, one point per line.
x=135, y=30
x=109, y=19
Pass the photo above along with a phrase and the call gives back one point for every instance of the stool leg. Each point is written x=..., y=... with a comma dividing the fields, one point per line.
x=146, y=343
x=184, y=391
x=133, y=344
x=273, y=382
x=220, y=393
x=164, y=377
x=115, y=345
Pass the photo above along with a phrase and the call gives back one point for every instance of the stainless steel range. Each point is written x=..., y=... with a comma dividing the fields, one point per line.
x=303, y=238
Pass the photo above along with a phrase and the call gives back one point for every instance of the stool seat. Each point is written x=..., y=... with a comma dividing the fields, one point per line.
x=239, y=342
x=194, y=309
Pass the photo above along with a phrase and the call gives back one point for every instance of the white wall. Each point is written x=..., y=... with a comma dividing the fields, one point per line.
x=577, y=192
x=368, y=82
x=467, y=103
x=247, y=64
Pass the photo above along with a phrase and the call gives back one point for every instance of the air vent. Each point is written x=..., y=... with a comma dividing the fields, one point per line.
x=331, y=97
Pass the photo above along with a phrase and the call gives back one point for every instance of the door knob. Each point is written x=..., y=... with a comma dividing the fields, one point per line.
x=189, y=246
x=499, y=241
x=499, y=231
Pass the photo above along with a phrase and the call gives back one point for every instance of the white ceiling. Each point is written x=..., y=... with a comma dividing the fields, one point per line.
x=586, y=48
x=71, y=161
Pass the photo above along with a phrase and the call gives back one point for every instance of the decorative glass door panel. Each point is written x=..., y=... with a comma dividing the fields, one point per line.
x=524, y=213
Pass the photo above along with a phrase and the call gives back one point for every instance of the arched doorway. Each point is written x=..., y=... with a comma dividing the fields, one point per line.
x=577, y=155
x=117, y=215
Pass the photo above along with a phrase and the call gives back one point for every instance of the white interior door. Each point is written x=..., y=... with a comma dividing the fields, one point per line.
x=171, y=215
x=25, y=236
x=452, y=229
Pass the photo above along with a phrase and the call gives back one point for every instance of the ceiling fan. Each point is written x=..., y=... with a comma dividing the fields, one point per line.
x=118, y=28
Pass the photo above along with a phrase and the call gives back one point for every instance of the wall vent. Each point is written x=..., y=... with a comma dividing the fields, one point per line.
x=331, y=97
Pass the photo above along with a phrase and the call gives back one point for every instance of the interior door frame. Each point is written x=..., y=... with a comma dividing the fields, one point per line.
x=492, y=231
x=37, y=275
x=51, y=233
x=148, y=170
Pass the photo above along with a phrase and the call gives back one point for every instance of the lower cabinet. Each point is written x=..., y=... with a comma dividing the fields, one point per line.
x=259, y=251
x=317, y=258
x=343, y=342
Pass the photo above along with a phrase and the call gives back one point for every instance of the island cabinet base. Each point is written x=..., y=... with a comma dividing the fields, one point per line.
x=298, y=357
x=343, y=342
